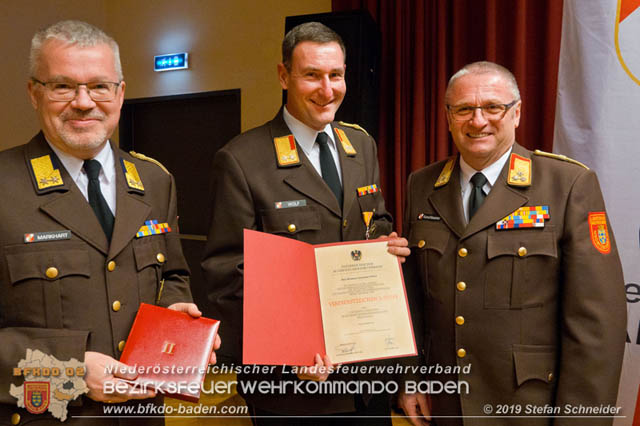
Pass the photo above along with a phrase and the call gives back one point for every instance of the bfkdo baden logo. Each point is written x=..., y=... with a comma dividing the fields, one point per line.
x=36, y=396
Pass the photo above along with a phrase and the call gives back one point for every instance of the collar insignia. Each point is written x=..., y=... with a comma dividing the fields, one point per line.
x=131, y=176
x=346, y=143
x=46, y=176
x=286, y=151
x=519, y=171
x=445, y=175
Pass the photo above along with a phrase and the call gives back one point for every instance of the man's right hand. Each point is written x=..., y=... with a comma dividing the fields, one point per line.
x=103, y=369
x=417, y=407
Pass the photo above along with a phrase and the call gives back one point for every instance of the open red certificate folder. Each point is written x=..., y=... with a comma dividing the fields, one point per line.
x=346, y=300
x=170, y=350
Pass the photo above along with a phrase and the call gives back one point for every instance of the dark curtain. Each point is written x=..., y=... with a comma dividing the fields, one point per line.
x=424, y=42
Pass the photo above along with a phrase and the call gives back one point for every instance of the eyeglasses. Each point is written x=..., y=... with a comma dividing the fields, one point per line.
x=490, y=112
x=99, y=91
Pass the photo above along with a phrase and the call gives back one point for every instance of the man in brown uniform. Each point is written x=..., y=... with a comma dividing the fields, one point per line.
x=523, y=288
x=72, y=269
x=298, y=176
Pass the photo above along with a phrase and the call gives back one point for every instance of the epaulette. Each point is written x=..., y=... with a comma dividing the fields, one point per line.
x=559, y=157
x=149, y=159
x=354, y=126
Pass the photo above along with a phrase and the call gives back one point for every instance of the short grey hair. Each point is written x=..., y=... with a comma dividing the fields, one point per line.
x=309, y=31
x=485, y=67
x=72, y=32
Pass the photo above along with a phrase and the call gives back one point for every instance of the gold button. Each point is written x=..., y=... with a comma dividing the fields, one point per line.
x=116, y=305
x=15, y=419
x=52, y=272
x=345, y=223
x=461, y=353
x=550, y=377
x=461, y=286
x=291, y=227
x=421, y=243
x=160, y=257
x=463, y=252
x=121, y=345
x=522, y=252
x=111, y=266
x=460, y=320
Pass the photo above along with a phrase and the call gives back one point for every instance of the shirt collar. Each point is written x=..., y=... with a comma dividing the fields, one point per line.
x=491, y=172
x=74, y=164
x=305, y=135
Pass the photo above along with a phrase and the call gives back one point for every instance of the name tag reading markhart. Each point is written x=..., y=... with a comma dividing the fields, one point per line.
x=39, y=237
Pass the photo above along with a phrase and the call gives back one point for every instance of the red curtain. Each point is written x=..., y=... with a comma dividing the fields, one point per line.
x=424, y=42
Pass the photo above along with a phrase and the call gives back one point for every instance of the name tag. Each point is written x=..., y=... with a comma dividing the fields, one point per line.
x=39, y=237
x=289, y=204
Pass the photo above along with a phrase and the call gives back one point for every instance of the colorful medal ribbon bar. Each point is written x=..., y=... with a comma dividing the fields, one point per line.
x=525, y=217
x=369, y=189
x=152, y=227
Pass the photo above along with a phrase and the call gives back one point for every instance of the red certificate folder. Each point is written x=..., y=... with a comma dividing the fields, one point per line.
x=170, y=350
x=282, y=317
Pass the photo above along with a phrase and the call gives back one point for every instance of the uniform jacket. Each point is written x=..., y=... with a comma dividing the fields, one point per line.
x=74, y=311
x=540, y=312
x=247, y=183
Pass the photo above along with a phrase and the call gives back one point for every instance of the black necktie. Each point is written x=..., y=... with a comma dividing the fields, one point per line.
x=477, y=194
x=328, y=167
x=96, y=200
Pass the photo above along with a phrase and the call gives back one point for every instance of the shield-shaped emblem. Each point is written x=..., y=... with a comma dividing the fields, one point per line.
x=599, y=232
x=36, y=396
x=356, y=255
x=627, y=34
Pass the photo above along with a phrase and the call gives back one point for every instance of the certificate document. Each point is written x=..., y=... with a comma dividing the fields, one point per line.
x=346, y=300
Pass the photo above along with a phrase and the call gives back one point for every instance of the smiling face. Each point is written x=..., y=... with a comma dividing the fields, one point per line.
x=82, y=126
x=315, y=84
x=481, y=141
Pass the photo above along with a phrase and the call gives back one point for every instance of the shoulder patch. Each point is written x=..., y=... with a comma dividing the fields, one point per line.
x=445, y=174
x=149, y=159
x=353, y=126
x=559, y=157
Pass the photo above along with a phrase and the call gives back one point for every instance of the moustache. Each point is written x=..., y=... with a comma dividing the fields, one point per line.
x=89, y=115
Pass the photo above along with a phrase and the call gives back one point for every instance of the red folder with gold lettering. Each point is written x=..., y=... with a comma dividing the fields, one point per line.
x=170, y=350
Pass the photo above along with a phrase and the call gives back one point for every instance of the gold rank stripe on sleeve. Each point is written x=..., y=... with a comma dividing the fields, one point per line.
x=445, y=174
x=45, y=175
x=559, y=157
x=131, y=176
x=346, y=143
x=519, y=171
x=353, y=126
x=286, y=151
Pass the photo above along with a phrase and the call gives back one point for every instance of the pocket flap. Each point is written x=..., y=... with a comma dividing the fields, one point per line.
x=34, y=264
x=508, y=243
x=280, y=221
x=428, y=235
x=534, y=362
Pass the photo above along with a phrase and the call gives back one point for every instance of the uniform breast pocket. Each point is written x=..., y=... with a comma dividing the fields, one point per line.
x=290, y=221
x=41, y=278
x=521, y=263
x=150, y=254
x=428, y=241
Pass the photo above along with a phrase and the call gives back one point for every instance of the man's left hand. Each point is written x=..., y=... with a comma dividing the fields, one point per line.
x=397, y=245
x=192, y=309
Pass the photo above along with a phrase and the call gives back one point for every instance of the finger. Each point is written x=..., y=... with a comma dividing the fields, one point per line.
x=123, y=371
x=425, y=406
x=212, y=358
x=217, y=343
